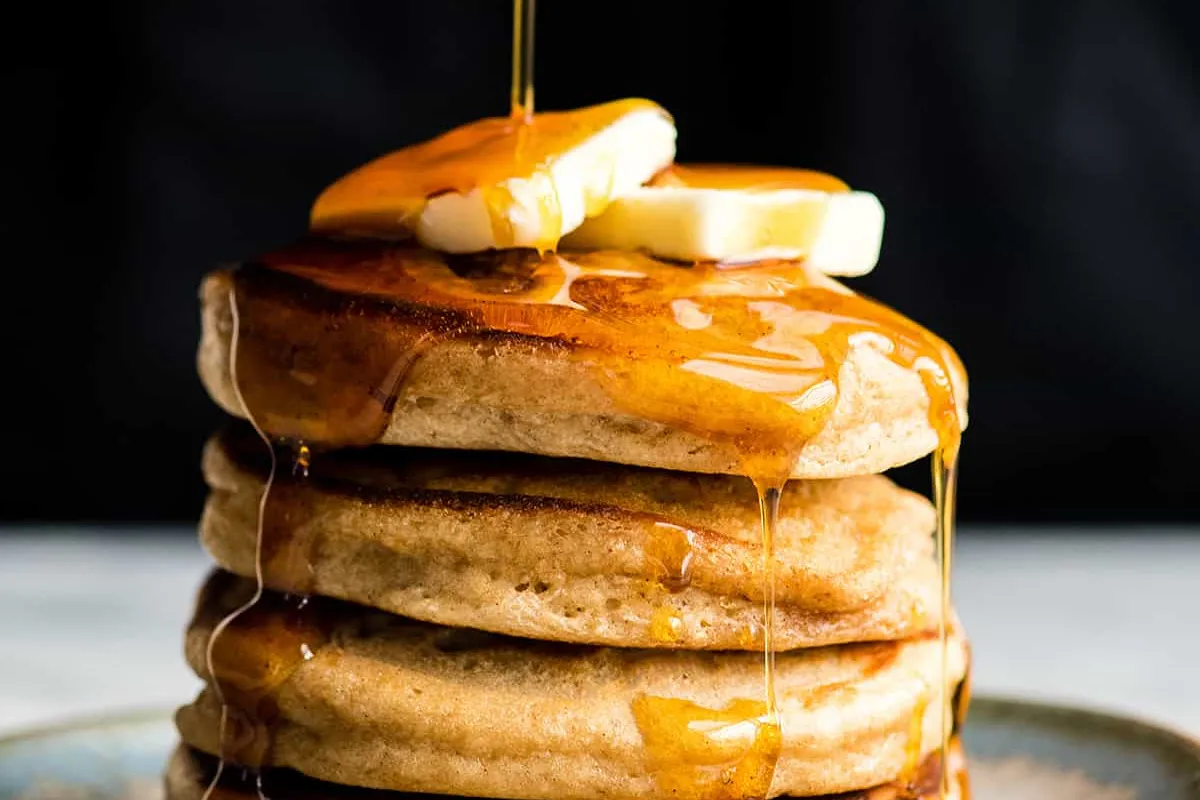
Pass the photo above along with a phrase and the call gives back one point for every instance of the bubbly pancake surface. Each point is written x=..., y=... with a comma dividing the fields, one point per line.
x=569, y=550
x=767, y=370
x=391, y=703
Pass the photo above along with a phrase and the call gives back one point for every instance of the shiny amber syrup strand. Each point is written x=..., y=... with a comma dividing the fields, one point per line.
x=945, y=421
x=252, y=654
x=255, y=649
x=521, y=96
x=945, y=481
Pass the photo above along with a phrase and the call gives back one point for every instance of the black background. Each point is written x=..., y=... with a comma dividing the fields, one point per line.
x=1039, y=163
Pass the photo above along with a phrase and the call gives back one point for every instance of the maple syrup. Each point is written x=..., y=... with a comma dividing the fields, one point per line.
x=945, y=479
x=257, y=649
x=700, y=753
x=670, y=553
x=331, y=328
x=666, y=625
x=327, y=331
x=522, y=61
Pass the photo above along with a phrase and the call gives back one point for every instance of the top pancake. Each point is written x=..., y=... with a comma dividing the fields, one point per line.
x=768, y=370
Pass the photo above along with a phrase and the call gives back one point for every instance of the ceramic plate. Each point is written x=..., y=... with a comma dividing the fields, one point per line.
x=1017, y=751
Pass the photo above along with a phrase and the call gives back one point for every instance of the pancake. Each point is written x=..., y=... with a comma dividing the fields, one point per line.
x=354, y=696
x=576, y=551
x=189, y=774
x=768, y=369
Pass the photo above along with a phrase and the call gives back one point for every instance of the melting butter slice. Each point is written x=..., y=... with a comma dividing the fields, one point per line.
x=736, y=214
x=503, y=182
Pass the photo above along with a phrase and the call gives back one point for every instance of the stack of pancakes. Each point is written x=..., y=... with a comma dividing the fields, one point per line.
x=520, y=589
x=500, y=515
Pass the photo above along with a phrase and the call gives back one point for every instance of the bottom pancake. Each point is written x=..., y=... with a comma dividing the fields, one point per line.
x=190, y=773
x=350, y=695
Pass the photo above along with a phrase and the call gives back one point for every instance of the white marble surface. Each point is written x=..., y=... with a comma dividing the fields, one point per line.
x=91, y=620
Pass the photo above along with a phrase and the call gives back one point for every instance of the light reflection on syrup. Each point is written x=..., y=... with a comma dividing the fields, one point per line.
x=212, y=654
x=666, y=625
x=768, y=504
x=670, y=555
x=521, y=93
x=700, y=753
x=945, y=484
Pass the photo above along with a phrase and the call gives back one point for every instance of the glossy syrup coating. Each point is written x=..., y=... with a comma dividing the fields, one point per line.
x=747, y=358
x=386, y=196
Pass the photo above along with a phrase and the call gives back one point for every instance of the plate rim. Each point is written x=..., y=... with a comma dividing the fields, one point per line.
x=1185, y=741
x=87, y=722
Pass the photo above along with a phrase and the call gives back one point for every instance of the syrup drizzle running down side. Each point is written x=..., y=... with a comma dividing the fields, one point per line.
x=212, y=656
x=945, y=484
x=522, y=61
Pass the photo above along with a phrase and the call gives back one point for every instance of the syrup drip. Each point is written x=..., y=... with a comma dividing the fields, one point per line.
x=230, y=715
x=522, y=61
x=912, y=749
x=945, y=482
x=666, y=626
x=709, y=754
x=256, y=648
x=259, y=648
x=670, y=552
x=701, y=753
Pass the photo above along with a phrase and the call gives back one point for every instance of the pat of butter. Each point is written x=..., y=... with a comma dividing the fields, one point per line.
x=736, y=215
x=503, y=183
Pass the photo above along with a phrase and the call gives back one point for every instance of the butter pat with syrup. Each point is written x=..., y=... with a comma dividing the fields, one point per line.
x=502, y=182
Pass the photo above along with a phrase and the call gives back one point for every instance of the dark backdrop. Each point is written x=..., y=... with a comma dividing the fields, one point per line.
x=1039, y=162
